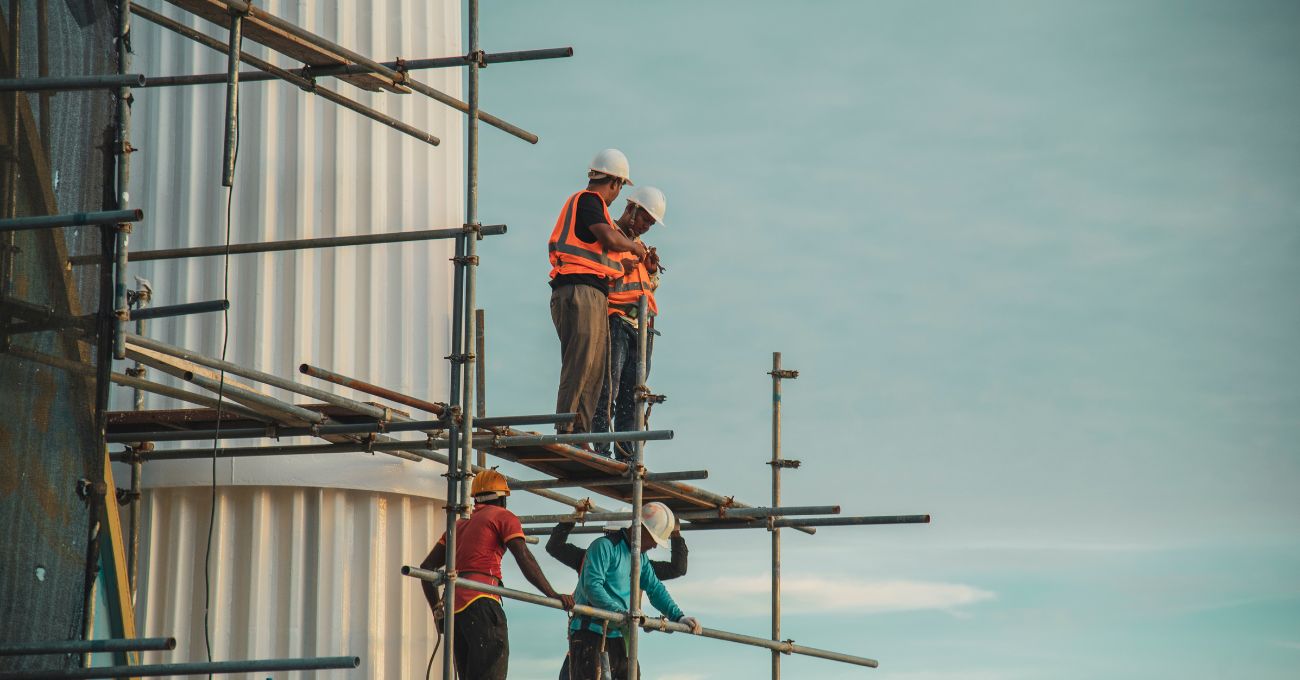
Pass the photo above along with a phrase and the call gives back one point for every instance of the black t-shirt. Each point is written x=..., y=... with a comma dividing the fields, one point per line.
x=591, y=210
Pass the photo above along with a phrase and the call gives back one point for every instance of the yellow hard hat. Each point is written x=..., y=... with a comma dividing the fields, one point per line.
x=490, y=481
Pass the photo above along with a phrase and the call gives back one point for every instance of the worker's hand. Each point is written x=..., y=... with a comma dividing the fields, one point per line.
x=566, y=601
x=693, y=622
x=438, y=615
x=677, y=528
x=639, y=250
x=652, y=261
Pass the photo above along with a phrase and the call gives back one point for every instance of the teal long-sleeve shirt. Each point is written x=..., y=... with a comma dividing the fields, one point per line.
x=606, y=584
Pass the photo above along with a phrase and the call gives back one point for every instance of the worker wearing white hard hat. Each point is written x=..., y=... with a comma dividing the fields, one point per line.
x=606, y=584
x=645, y=208
x=587, y=252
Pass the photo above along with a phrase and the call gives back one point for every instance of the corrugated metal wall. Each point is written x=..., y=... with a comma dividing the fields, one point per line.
x=306, y=168
x=306, y=549
x=296, y=573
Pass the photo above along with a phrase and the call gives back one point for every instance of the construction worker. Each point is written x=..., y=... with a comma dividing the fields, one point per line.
x=606, y=584
x=482, y=643
x=645, y=208
x=587, y=252
x=570, y=555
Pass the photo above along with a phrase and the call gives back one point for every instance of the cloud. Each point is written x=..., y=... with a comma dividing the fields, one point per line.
x=748, y=595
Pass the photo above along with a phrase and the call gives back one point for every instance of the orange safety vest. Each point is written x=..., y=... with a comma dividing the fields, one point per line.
x=627, y=290
x=571, y=255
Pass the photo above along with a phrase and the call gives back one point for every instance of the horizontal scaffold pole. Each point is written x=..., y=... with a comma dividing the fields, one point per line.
x=777, y=523
x=649, y=624
x=354, y=69
x=191, y=668
x=80, y=219
x=506, y=441
x=237, y=393
x=372, y=389
x=606, y=481
x=88, y=646
x=111, y=81
x=180, y=310
x=138, y=383
x=271, y=379
x=294, y=244
x=722, y=513
x=277, y=431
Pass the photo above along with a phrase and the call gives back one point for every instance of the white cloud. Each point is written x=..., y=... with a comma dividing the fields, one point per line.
x=748, y=595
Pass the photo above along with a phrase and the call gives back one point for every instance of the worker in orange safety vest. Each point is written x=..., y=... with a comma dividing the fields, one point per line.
x=645, y=208
x=587, y=252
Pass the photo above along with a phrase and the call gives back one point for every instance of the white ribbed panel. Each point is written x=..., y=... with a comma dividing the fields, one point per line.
x=306, y=168
x=296, y=573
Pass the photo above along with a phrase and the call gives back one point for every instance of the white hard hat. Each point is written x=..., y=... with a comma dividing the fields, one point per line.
x=658, y=520
x=612, y=162
x=652, y=200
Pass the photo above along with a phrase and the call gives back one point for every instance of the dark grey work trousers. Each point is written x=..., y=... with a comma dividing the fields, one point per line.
x=578, y=313
x=482, y=646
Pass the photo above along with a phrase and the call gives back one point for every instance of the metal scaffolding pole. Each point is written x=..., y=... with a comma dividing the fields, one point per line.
x=123, y=151
x=719, y=514
x=786, y=647
x=383, y=392
x=787, y=523
x=295, y=244
x=637, y=472
x=606, y=481
x=110, y=81
x=191, y=668
x=80, y=219
x=88, y=646
x=232, y=97
x=348, y=69
x=777, y=464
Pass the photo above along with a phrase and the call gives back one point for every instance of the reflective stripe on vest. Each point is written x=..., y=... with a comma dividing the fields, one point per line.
x=570, y=254
x=628, y=289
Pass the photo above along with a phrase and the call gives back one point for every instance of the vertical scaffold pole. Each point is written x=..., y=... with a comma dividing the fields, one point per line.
x=480, y=375
x=637, y=470
x=462, y=334
x=471, y=244
x=776, y=503
x=123, y=144
x=777, y=464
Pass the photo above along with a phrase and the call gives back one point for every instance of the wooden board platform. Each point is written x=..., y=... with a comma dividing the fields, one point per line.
x=256, y=29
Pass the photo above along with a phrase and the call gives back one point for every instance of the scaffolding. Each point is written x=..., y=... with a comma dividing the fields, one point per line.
x=457, y=435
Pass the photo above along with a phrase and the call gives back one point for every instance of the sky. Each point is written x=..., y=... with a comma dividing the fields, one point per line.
x=1037, y=264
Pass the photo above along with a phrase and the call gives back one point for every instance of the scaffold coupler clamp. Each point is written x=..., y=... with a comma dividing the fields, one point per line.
x=475, y=228
x=459, y=359
x=478, y=58
x=785, y=373
x=404, y=75
x=785, y=463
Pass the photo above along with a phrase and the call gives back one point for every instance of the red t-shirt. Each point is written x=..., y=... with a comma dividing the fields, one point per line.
x=480, y=543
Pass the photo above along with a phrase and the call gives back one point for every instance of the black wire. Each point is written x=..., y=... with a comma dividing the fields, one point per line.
x=221, y=393
x=436, y=645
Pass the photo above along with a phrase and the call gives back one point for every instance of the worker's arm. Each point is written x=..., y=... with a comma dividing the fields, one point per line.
x=676, y=566
x=434, y=561
x=658, y=594
x=533, y=572
x=600, y=557
x=615, y=240
x=559, y=547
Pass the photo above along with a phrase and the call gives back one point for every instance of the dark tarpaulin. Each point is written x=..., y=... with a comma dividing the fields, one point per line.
x=52, y=160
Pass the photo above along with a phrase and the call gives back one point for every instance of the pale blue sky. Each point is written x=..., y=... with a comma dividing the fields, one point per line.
x=1037, y=263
